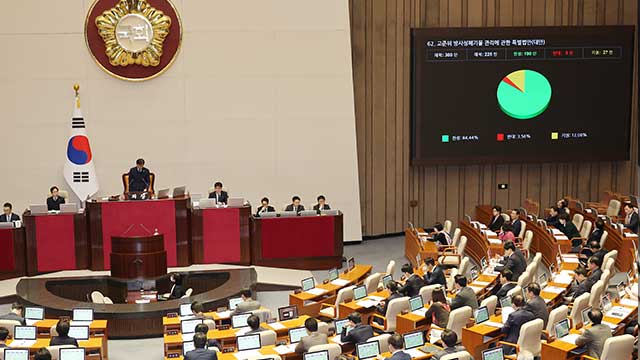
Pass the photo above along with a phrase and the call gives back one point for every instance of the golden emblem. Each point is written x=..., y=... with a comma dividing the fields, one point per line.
x=133, y=33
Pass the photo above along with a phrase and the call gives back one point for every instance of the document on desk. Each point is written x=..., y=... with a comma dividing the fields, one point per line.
x=340, y=282
x=81, y=323
x=505, y=313
x=31, y=322
x=414, y=353
x=569, y=259
x=277, y=326
x=553, y=289
x=187, y=337
x=476, y=289
x=419, y=312
x=619, y=312
x=629, y=302
x=561, y=279
x=367, y=303
x=285, y=349
x=571, y=338
x=494, y=324
x=247, y=354
x=316, y=291
x=375, y=298
x=630, y=235
x=22, y=343
x=495, y=241
x=336, y=339
x=224, y=314
x=561, y=237
x=242, y=331
x=480, y=283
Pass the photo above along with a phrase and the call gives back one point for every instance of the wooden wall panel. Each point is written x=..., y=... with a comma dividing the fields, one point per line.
x=381, y=73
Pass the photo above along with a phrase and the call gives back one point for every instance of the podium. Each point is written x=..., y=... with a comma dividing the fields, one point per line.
x=139, y=257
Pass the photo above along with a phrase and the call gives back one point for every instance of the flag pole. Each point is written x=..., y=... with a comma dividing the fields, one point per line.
x=76, y=89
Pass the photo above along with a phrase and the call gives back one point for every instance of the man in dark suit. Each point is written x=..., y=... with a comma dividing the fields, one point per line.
x=42, y=354
x=55, y=200
x=552, y=220
x=200, y=353
x=449, y=339
x=221, y=196
x=16, y=314
x=254, y=323
x=413, y=282
x=63, y=338
x=177, y=291
x=139, y=177
x=505, y=285
x=314, y=338
x=516, y=223
x=631, y=218
x=594, y=337
x=322, y=204
x=570, y=230
x=4, y=334
x=355, y=332
x=295, y=205
x=434, y=274
x=579, y=276
x=441, y=237
x=513, y=260
x=211, y=343
x=516, y=319
x=198, y=311
x=535, y=303
x=465, y=295
x=8, y=215
x=396, y=345
x=594, y=275
x=265, y=207
x=496, y=220
x=392, y=286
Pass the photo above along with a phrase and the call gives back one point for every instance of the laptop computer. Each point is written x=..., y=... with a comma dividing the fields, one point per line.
x=606, y=303
x=308, y=213
x=16, y=354
x=474, y=273
x=248, y=342
x=296, y=334
x=333, y=274
x=416, y=303
x=359, y=292
x=483, y=263
x=268, y=214
x=233, y=303
x=187, y=346
x=24, y=332
x=33, y=314
x=189, y=326
x=79, y=332
x=316, y=355
x=185, y=310
x=351, y=264
x=72, y=354
x=584, y=314
x=205, y=203
x=505, y=302
x=82, y=316
x=240, y=320
x=235, y=202
x=6, y=225
x=340, y=324
x=38, y=209
x=288, y=214
x=70, y=208
x=368, y=350
x=561, y=329
x=413, y=340
x=331, y=212
x=287, y=312
x=386, y=279
x=308, y=284
x=179, y=191
x=163, y=194
x=481, y=315
x=493, y=354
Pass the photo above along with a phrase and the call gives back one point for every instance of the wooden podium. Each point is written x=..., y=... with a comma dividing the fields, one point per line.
x=141, y=257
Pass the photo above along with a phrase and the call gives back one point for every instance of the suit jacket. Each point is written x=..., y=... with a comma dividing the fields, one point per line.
x=247, y=306
x=552, y=221
x=13, y=217
x=502, y=290
x=177, y=291
x=435, y=277
x=466, y=297
x=517, y=226
x=441, y=239
x=570, y=230
x=512, y=327
x=383, y=309
x=211, y=343
x=201, y=354
x=586, y=285
x=538, y=308
x=223, y=197
x=290, y=208
x=412, y=286
x=446, y=351
x=516, y=263
x=400, y=355
x=358, y=334
x=324, y=207
x=632, y=224
x=496, y=223
x=139, y=180
x=63, y=340
x=12, y=316
x=593, y=339
x=439, y=313
x=54, y=204
x=269, y=209
x=313, y=339
x=596, y=235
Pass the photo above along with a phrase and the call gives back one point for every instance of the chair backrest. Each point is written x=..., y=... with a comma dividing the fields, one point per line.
x=53, y=331
x=537, y=260
x=490, y=302
x=529, y=339
x=334, y=350
x=391, y=267
x=462, y=245
x=460, y=355
x=188, y=292
x=618, y=347
x=505, y=217
x=97, y=297
x=464, y=265
x=587, y=225
x=614, y=207
x=613, y=254
x=451, y=278
x=394, y=308
x=523, y=230
x=427, y=291
x=557, y=314
x=344, y=294
x=606, y=276
x=447, y=226
x=268, y=337
x=610, y=265
x=516, y=289
x=523, y=280
x=596, y=294
x=603, y=239
x=107, y=300
x=579, y=304
x=578, y=219
x=55, y=350
x=456, y=237
x=9, y=324
x=383, y=340
x=371, y=282
x=263, y=314
x=458, y=319
x=210, y=324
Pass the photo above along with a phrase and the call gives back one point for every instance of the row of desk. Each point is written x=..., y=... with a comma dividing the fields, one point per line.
x=191, y=236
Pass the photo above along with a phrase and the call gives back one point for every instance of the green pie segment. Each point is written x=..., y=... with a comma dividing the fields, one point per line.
x=524, y=94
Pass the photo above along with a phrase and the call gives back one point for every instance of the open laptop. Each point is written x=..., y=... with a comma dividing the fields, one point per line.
x=416, y=305
x=179, y=191
x=351, y=264
x=340, y=324
x=359, y=292
x=482, y=317
x=584, y=314
x=72, y=354
x=474, y=274
x=16, y=354
x=387, y=279
x=248, y=342
x=82, y=317
x=316, y=355
x=332, y=212
x=240, y=320
x=235, y=202
x=24, y=332
x=233, y=303
x=606, y=303
x=368, y=350
x=413, y=343
x=70, y=208
x=163, y=194
x=542, y=280
x=561, y=329
x=483, y=263
x=38, y=209
x=288, y=214
x=185, y=310
x=287, y=313
x=296, y=334
x=33, y=314
x=493, y=354
x=333, y=274
x=79, y=332
x=188, y=328
x=187, y=346
x=268, y=214
x=505, y=302
x=205, y=203
x=308, y=213
x=308, y=284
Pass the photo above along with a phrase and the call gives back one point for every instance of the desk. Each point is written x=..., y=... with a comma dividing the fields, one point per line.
x=414, y=246
x=344, y=309
x=64, y=235
x=221, y=235
x=301, y=242
x=473, y=338
x=93, y=347
x=12, y=256
x=477, y=245
x=114, y=218
x=97, y=329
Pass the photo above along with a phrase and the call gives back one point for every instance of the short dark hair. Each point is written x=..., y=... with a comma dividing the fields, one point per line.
x=564, y=216
x=509, y=245
x=196, y=307
x=4, y=333
x=517, y=300
x=355, y=318
x=254, y=322
x=600, y=224
x=407, y=268
x=594, y=244
x=628, y=205
x=438, y=295
x=595, y=315
x=199, y=340
x=564, y=202
x=140, y=161
x=202, y=328
x=581, y=271
x=534, y=288
x=265, y=199
x=311, y=324
x=507, y=226
x=177, y=278
x=246, y=293
x=321, y=197
x=516, y=210
x=429, y=261
x=17, y=306
x=296, y=197
x=392, y=286
x=595, y=260
x=217, y=184
x=438, y=226
x=555, y=208
x=396, y=341
x=8, y=205
x=497, y=208
x=461, y=280
x=62, y=327
x=507, y=274
x=53, y=188
x=42, y=354
x=449, y=337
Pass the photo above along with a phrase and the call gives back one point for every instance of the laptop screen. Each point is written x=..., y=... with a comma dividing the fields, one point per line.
x=288, y=313
x=368, y=350
x=72, y=354
x=359, y=292
x=483, y=263
x=240, y=320
x=82, y=315
x=316, y=355
x=308, y=284
x=606, y=302
x=189, y=326
x=34, y=313
x=386, y=279
x=542, y=278
x=249, y=342
x=24, y=333
x=562, y=328
x=339, y=324
x=415, y=303
x=333, y=274
x=505, y=301
x=16, y=354
x=482, y=315
x=413, y=340
x=474, y=273
x=585, y=316
x=79, y=332
x=187, y=346
x=233, y=303
x=185, y=310
x=351, y=264
x=493, y=354
x=296, y=334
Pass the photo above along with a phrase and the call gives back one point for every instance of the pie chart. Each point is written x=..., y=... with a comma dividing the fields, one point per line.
x=524, y=94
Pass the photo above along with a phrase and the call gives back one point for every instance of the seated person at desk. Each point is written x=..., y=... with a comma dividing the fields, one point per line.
x=434, y=274
x=254, y=323
x=569, y=230
x=198, y=311
x=552, y=220
x=597, y=233
x=355, y=331
x=177, y=291
x=535, y=303
x=4, y=334
x=63, y=338
x=594, y=275
x=200, y=353
x=505, y=285
x=139, y=177
x=8, y=215
x=54, y=201
x=314, y=337
x=579, y=276
x=438, y=312
x=221, y=196
x=513, y=260
x=441, y=237
x=465, y=296
x=514, y=322
x=211, y=343
x=593, y=249
x=381, y=308
x=631, y=219
x=507, y=232
x=594, y=337
x=496, y=219
x=449, y=339
x=322, y=204
x=16, y=314
x=247, y=304
x=396, y=345
x=42, y=354
x=265, y=207
x=516, y=223
x=563, y=205
x=413, y=282
x=295, y=205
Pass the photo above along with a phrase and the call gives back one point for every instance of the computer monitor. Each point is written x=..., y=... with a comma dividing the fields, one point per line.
x=552, y=269
x=24, y=332
x=288, y=312
x=239, y=320
x=359, y=292
x=233, y=302
x=296, y=334
x=505, y=301
x=339, y=324
x=483, y=263
x=368, y=350
x=249, y=342
x=82, y=315
x=561, y=328
x=474, y=273
x=351, y=264
x=188, y=346
x=620, y=288
x=542, y=279
x=69, y=208
x=316, y=355
x=16, y=354
x=79, y=332
x=333, y=274
x=33, y=313
x=493, y=354
x=585, y=316
x=606, y=302
x=72, y=354
x=415, y=303
x=481, y=315
x=386, y=279
x=413, y=340
x=163, y=194
x=189, y=326
x=179, y=191
x=185, y=310
x=418, y=259
x=308, y=284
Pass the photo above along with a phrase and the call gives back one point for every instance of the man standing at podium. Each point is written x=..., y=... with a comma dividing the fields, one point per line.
x=139, y=177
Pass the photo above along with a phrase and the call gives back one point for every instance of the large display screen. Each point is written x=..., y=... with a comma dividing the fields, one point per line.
x=521, y=94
